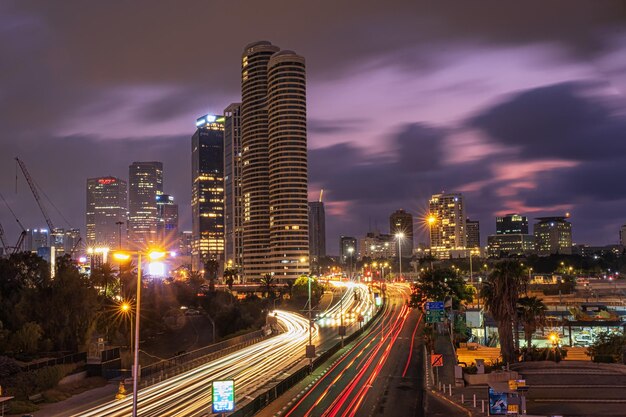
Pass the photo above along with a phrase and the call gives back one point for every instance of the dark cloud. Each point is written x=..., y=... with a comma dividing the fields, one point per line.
x=326, y=127
x=566, y=121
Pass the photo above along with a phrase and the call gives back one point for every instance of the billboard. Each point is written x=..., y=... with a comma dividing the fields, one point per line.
x=223, y=396
x=497, y=403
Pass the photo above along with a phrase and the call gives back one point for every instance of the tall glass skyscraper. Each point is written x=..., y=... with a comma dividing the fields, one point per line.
x=207, y=191
x=448, y=232
x=274, y=162
x=106, y=212
x=233, y=204
x=145, y=182
x=317, y=231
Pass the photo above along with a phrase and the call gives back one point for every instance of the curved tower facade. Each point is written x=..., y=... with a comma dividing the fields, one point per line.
x=255, y=159
x=274, y=162
x=289, y=224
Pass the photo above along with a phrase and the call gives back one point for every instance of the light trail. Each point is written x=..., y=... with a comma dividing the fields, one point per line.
x=189, y=394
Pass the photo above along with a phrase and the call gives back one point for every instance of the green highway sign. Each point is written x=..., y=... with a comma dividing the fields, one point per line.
x=435, y=316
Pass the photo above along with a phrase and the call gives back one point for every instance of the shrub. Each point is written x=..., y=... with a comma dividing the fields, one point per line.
x=21, y=407
x=607, y=348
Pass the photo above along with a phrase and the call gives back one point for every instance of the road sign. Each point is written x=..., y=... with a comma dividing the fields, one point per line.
x=436, y=359
x=434, y=305
x=435, y=316
x=223, y=396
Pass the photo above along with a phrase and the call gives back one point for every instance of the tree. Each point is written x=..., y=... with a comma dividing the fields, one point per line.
x=300, y=290
x=531, y=312
x=103, y=276
x=211, y=266
x=501, y=291
x=26, y=340
x=267, y=281
x=608, y=347
x=229, y=277
x=437, y=284
x=196, y=280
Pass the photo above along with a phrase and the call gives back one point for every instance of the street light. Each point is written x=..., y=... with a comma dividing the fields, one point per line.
x=400, y=236
x=431, y=219
x=124, y=256
x=125, y=310
x=350, y=253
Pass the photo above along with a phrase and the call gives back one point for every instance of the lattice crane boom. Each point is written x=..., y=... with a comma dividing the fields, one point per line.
x=33, y=188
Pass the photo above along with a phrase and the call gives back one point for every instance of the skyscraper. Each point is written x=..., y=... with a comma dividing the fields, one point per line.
x=106, y=212
x=553, y=235
x=274, y=162
x=402, y=222
x=622, y=235
x=233, y=202
x=207, y=191
x=348, y=251
x=145, y=182
x=473, y=233
x=35, y=239
x=447, y=230
x=317, y=231
x=512, y=224
x=167, y=222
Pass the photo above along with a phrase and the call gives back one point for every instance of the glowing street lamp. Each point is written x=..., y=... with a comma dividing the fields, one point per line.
x=124, y=256
x=125, y=310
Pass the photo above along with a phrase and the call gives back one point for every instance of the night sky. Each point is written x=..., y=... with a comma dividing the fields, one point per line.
x=518, y=105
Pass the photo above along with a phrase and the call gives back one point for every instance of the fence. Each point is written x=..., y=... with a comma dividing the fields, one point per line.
x=72, y=358
x=260, y=401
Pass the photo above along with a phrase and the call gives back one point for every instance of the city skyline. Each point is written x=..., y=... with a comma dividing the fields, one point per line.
x=455, y=122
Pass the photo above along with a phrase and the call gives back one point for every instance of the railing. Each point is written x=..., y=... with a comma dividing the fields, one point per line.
x=72, y=358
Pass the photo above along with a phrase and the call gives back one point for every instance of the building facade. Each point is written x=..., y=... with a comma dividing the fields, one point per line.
x=317, y=231
x=553, y=235
x=107, y=206
x=512, y=224
x=472, y=228
x=36, y=239
x=622, y=235
x=233, y=202
x=145, y=182
x=167, y=222
x=402, y=222
x=348, y=250
x=65, y=241
x=447, y=230
x=379, y=246
x=207, y=191
x=274, y=163
x=510, y=245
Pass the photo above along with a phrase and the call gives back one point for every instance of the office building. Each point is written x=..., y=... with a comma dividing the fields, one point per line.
x=145, y=182
x=472, y=228
x=186, y=243
x=274, y=163
x=35, y=239
x=512, y=224
x=553, y=235
x=402, y=222
x=233, y=202
x=317, y=231
x=510, y=245
x=622, y=235
x=447, y=229
x=207, y=191
x=348, y=250
x=379, y=246
x=65, y=241
x=167, y=222
x=106, y=212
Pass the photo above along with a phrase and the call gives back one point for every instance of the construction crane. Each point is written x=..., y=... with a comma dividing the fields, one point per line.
x=33, y=188
x=20, y=240
x=4, y=245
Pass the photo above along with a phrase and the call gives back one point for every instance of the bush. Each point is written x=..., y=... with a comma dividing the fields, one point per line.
x=607, y=348
x=544, y=354
x=54, y=395
x=8, y=367
x=21, y=407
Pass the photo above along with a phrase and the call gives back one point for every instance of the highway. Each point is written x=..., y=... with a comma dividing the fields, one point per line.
x=382, y=367
x=189, y=394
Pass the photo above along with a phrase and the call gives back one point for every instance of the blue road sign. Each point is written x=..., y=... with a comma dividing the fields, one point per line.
x=434, y=305
x=223, y=396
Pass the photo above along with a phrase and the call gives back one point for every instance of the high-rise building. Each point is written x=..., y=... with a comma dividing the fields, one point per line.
x=379, y=246
x=348, y=250
x=402, y=222
x=167, y=222
x=622, y=235
x=317, y=231
x=106, y=212
x=553, y=235
x=447, y=230
x=472, y=228
x=145, y=182
x=233, y=201
x=510, y=245
x=207, y=191
x=274, y=162
x=65, y=241
x=35, y=239
x=186, y=243
x=512, y=224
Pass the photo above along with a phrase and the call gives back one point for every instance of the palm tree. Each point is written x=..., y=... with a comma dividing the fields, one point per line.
x=102, y=276
x=267, y=281
x=211, y=267
x=229, y=277
x=195, y=280
x=532, y=314
x=501, y=291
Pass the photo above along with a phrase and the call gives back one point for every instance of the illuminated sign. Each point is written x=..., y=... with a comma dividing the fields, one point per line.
x=105, y=181
x=223, y=396
x=209, y=119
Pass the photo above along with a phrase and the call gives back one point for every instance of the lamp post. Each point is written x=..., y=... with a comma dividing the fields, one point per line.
x=351, y=254
x=123, y=256
x=126, y=310
x=400, y=236
x=431, y=221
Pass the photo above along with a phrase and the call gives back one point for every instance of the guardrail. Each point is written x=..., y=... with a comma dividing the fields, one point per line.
x=266, y=397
